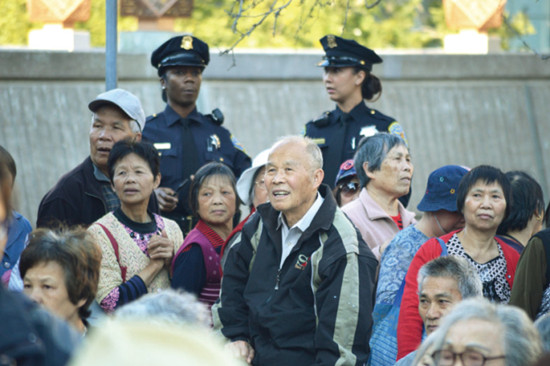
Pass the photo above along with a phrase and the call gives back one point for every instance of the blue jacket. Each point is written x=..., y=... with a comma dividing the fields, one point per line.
x=19, y=228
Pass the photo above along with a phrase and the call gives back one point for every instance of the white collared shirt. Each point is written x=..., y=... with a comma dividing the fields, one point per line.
x=290, y=236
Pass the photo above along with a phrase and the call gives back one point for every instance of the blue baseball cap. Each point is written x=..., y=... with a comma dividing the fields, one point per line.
x=441, y=189
x=347, y=168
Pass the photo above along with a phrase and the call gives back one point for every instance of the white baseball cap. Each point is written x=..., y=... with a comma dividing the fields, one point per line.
x=123, y=99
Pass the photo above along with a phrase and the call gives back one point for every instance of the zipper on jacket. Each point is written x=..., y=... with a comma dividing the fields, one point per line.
x=278, y=279
x=276, y=286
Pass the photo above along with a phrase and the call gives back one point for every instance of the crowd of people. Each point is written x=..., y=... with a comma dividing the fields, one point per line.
x=140, y=254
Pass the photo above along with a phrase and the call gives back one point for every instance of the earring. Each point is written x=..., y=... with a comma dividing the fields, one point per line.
x=163, y=87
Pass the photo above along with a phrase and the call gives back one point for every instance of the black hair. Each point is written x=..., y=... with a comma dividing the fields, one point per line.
x=125, y=147
x=371, y=86
x=487, y=174
x=206, y=171
x=527, y=200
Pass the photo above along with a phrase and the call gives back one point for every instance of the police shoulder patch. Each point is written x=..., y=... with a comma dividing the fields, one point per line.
x=396, y=129
x=322, y=120
x=237, y=145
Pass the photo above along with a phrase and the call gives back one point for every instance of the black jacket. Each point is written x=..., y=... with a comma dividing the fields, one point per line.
x=316, y=309
x=76, y=199
x=30, y=336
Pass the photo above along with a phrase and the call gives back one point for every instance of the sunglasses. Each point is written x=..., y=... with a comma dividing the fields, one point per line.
x=349, y=188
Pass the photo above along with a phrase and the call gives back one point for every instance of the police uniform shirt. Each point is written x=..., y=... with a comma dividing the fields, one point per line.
x=212, y=141
x=338, y=134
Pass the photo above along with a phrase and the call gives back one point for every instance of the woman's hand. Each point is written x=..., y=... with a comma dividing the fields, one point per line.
x=161, y=248
x=242, y=350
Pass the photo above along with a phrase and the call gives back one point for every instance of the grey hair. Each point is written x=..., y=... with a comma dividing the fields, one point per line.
x=521, y=340
x=373, y=150
x=432, y=342
x=543, y=326
x=466, y=276
x=167, y=307
x=316, y=157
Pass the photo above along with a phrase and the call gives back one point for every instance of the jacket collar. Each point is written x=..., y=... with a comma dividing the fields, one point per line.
x=321, y=221
x=375, y=212
x=357, y=113
x=172, y=117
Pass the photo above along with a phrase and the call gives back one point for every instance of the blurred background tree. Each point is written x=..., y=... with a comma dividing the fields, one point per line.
x=296, y=23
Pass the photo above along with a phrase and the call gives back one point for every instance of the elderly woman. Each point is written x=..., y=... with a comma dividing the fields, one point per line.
x=526, y=211
x=60, y=271
x=481, y=333
x=213, y=199
x=482, y=197
x=137, y=245
x=385, y=170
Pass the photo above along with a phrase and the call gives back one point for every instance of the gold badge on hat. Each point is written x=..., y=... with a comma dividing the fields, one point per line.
x=331, y=41
x=187, y=43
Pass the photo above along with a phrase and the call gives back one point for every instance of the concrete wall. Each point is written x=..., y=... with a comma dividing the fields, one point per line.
x=464, y=110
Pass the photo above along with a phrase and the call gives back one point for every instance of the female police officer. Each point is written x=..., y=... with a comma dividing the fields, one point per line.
x=348, y=81
x=185, y=138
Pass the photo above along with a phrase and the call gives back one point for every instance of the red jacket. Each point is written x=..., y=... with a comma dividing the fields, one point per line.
x=410, y=325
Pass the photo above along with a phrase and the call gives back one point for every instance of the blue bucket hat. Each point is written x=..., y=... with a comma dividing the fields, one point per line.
x=441, y=189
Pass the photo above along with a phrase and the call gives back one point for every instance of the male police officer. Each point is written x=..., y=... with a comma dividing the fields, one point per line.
x=185, y=138
x=349, y=82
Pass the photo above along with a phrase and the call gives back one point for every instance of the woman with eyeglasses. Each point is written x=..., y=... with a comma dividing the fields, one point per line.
x=347, y=184
x=480, y=333
x=385, y=171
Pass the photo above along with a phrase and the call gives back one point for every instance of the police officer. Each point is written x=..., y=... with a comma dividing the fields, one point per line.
x=185, y=138
x=348, y=81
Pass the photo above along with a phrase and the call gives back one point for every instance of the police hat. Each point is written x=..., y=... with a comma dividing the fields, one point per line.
x=181, y=51
x=340, y=52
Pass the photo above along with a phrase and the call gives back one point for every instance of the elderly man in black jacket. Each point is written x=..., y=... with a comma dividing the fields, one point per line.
x=298, y=287
x=84, y=194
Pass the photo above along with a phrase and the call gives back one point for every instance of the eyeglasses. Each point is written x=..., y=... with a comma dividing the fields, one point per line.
x=446, y=357
x=349, y=188
x=260, y=184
